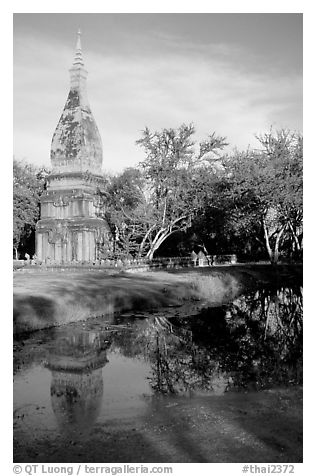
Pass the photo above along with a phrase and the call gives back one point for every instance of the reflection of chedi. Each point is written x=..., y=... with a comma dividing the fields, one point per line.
x=77, y=386
x=69, y=229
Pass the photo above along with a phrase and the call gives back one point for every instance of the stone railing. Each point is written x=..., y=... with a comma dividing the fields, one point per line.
x=131, y=264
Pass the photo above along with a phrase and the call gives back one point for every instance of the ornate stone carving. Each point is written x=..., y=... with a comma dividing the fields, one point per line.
x=97, y=202
x=74, y=246
x=58, y=234
x=101, y=236
x=62, y=201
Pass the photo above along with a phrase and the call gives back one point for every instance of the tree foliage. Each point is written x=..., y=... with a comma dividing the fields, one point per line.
x=246, y=202
x=172, y=168
x=264, y=190
x=125, y=210
x=28, y=185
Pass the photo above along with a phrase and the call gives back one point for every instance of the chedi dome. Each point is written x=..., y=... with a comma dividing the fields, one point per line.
x=76, y=144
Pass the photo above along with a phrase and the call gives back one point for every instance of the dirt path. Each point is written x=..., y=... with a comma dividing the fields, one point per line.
x=237, y=427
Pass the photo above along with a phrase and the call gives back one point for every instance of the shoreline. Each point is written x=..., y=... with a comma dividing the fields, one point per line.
x=48, y=299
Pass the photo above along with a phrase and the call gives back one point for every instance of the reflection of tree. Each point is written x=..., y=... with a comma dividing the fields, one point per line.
x=256, y=341
x=276, y=324
x=178, y=364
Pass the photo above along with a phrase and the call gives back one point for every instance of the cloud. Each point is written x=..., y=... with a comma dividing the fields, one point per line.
x=202, y=85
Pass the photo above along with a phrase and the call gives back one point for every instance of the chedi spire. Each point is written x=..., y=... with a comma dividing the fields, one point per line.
x=78, y=55
x=76, y=144
x=78, y=73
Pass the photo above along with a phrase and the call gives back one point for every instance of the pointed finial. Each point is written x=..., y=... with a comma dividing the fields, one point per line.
x=78, y=55
x=78, y=46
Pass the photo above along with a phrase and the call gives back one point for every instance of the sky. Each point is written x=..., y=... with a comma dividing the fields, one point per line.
x=236, y=74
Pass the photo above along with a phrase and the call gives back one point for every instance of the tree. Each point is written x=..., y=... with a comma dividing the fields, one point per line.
x=285, y=150
x=125, y=210
x=171, y=168
x=264, y=188
x=28, y=185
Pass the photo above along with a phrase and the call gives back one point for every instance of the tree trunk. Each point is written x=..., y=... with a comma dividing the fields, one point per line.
x=296, y=240
x=159, y=239
x=277, y=243
x=273, y=254
x=162, y=234
x=145, y=239
x=266, y=238
x=16, y=253
x=157, y=243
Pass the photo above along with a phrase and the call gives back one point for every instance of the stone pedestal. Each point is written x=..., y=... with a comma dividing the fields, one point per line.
x=70, y=228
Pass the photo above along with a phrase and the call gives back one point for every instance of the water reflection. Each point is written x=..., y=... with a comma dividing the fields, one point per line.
x=254, y=343
x=76, y=362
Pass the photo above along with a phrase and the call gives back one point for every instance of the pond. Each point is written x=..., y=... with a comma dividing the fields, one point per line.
x=182, y=384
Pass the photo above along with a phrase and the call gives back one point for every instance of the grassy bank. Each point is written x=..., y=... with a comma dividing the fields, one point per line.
x=47, y=299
